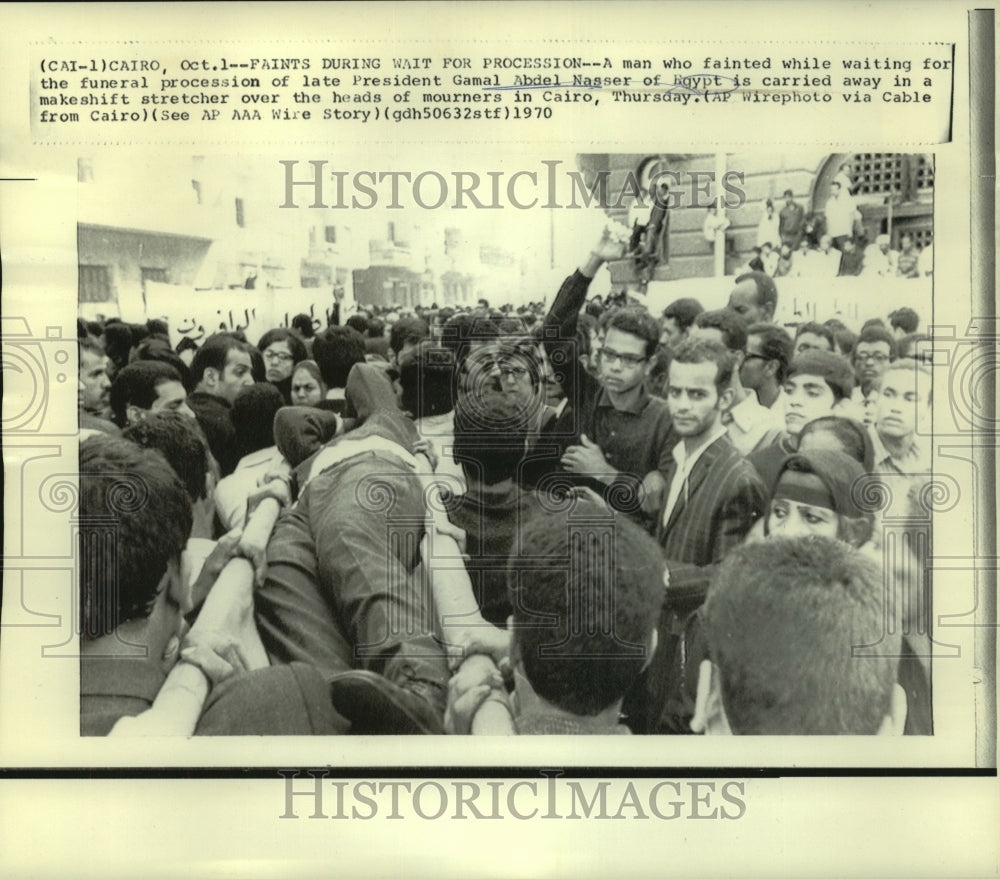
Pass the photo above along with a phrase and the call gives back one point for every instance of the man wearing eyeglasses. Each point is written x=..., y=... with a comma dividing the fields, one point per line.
x=622, y=436
x=875, y=350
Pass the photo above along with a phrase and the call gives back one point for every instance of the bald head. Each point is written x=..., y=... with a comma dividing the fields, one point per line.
x=754, y=297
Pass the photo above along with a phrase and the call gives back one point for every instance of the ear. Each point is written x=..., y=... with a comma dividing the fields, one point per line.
x=210, y=376
x=771, y=368
x=894, y=722
x=178, y=587
x=856, y=531
x=725, y=399
x=133, y=414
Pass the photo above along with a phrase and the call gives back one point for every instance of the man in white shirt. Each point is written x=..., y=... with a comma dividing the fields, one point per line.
x=749, y=424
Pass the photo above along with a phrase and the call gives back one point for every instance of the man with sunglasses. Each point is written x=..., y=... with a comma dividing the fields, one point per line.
x=622, y=437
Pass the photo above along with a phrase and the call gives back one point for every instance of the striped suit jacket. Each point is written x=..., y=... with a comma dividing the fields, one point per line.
x=724, y=497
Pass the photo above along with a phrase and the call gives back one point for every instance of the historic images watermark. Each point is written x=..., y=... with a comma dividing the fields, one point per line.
x=550, y=187
x=316, y=795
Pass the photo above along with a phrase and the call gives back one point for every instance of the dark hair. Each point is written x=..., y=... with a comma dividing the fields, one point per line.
x=376, y=328
x=489, y=443
x=254, y=408
x=683, y=312
x=136, y=385
x=186, y=344
x=279, y=334
x=407, y=331
x=816, y=329
x=158, y=327
x=845, y=340
x=427, y=377
x=636, y=321
x=851, y=435
x=905, y=319
x=158, y=348
x=708, y=351
x=878, y=333
x=460, y=332
x=873, y=322
x=358, y=322
x=179, y=439
x=213, y=355
x=781, y=618
x=335, y=351
x=775, y=344
x=832, y=368
x=585, y=610
x=133, y=491
x=118, y=343
x=303, y=325
x=729, y=323
x=767, y=292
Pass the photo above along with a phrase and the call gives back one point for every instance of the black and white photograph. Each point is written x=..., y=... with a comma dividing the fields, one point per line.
x=387, y=427
x=508, y=439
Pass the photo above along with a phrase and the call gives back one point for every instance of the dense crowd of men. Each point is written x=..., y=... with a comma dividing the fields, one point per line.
x=585, y=519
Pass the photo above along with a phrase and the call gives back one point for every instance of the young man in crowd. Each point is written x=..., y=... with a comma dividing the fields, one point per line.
x=253, y=421
x=754, y=298
x=406, y=334
x=494, y=510
x=769, y=351
x=813, y=336
x=585, y=588
x=147, y=386
x=904, y=322
x=93, y=390
x=677, y=320
x=781, y=619
x=873, y=352
x=900, y=432
x=750, y=424
x=133, y=604
x=713, y=498
x=133, y=599
x=220, y=369
x=624, y=434
x=336, y=350
x=817, y=384
x=179, y=439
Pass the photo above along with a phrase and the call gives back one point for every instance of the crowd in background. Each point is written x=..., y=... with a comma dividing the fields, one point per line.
x=662, y=523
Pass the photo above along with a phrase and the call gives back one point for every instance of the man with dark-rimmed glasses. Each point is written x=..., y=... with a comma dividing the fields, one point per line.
x=620, y=436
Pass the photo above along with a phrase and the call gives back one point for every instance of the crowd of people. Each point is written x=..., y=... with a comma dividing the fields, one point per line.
x=585, y=519
x=828, y=243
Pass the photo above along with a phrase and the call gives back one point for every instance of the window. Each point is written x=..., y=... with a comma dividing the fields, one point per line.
x=153, y=274
x=240, y=216
x=330, y=234
x=875, y=173
x=95, y=284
